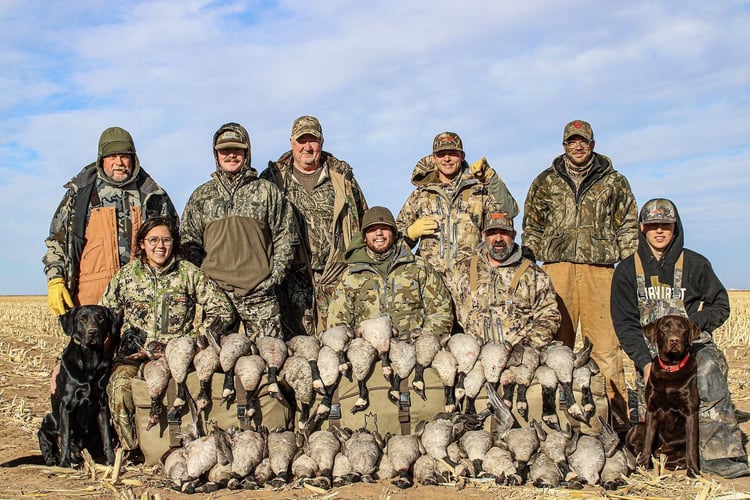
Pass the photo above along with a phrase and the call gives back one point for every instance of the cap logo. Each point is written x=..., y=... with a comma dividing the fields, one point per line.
x=230, y=134
x=576, y=124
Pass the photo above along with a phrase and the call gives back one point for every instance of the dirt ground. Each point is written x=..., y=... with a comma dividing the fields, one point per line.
x=29, y=342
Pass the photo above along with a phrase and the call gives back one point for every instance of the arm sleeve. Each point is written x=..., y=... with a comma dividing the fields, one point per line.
x=625, y=220
x=437, y=303
x=55, y=258
x=534, y=218
x=501, y=194
x=341, y=306
x=217, y=309
x=406, y=217
x=715, y=310
x=191, y=232
x=545, y=319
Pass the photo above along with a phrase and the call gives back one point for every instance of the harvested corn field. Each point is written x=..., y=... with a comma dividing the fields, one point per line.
x=30, y=341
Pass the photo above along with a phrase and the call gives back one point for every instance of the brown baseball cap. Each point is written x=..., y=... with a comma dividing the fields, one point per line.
x=578, y=127
x=498, y=220
x=306, y=125
x=447, y=141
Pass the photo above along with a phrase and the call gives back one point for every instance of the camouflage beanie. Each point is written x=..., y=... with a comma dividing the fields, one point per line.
x=115, y=140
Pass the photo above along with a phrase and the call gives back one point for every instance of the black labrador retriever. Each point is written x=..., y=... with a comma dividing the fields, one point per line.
x=80, y=414
x=671, y=426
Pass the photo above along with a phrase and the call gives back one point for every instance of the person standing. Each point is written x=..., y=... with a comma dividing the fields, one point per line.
x=236, y=227
x=580, y=219
x=662, y=278
x=328, y=206
x=446, y=211
x=92, y=233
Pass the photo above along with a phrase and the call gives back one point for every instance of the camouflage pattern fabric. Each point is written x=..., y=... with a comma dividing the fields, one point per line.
x=162, y=302
x=459, y=208
x=259, y=314
x=326, y=219
x=244, y=196
x=596, y=225
x=121, y=406
x=411, y=293
x=64, y=247
x=529, y=315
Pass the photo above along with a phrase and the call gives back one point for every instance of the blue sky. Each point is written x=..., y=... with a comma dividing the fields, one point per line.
x=665, y=85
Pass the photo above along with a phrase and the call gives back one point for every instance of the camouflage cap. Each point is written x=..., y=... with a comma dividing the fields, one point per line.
x=658, y=211
x=378, y=215
x=447, y=141
x=578, y=127
x=230, y=139
x=498, y=220
x=115, y=140
x=306, y=125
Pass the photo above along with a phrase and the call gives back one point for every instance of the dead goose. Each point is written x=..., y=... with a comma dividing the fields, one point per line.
x=517, y=377
x=476, y=444
x=363, y=449
x=466, y=350
x=342, y=471
x=378, y=332
x=322, y=446
x=273, y=351
x=436, y=435
x=304, y=468
x=543, y=472
x=586, y=458
x=249, y=448
x=616, y=468
x=498, y=463
x=445, y=365
x=402, y=452
x=425, y=471
x=233, y=346
x=337, y=338
x=362, y=357
x=494, y=357
x=206, y=363
x=426, y=345
x=179, y=354
x=403, y=357
x=584, y=368
x=156, y=374
x=175, y=467
x=561, y=360
x=473, y=384
x=282, y=447
x=298, y=375
x=328, y=364
x=250, y=369
x=307, y=346
x=553, y=444
x=201, y=456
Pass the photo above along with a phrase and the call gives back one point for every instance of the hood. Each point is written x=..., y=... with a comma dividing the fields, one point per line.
x=426, y=172
x=514, y=258
x=673, y=250
x=116, y=140
x=239, y=129
x=602, y=165
x=286, y=160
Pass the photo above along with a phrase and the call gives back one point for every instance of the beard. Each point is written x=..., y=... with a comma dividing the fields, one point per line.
x=500, y=251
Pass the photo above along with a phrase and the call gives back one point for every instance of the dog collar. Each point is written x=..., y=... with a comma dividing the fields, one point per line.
x=673, y=368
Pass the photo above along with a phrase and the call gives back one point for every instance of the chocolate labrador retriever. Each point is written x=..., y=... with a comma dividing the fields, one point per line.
x=80, y=416
x=671, y=426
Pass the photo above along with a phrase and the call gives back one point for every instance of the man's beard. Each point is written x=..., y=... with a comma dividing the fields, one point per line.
x=500, y=252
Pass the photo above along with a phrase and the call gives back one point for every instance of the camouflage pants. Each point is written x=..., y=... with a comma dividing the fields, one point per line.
x=718, y=432
x=304, y=302
x=259, y=315
x=121, y=406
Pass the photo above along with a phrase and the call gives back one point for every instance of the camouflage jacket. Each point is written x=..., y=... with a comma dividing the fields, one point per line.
x=328, y=217
x=253, y=224
x=492, y=310
x=411, y=293
x=162, y=302
x=598, y=224
x=459, y=208
x=66, y=234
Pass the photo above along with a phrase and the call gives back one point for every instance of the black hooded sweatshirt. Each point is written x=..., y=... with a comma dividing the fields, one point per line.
x=699, y=283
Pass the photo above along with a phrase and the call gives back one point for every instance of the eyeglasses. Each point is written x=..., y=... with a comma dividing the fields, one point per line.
x=581, y=143
x=154, y=240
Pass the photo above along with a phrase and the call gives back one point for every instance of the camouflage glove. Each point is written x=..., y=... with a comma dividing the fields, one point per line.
x=58, y=297
x=421, y=227
x=481, y=170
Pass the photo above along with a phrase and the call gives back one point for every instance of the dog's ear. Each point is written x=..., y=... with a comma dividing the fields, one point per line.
x=649, y=331
x=68, y=321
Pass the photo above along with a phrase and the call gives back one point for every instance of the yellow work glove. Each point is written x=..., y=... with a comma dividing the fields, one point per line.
x=422, y=226
x=479, y=168
x=58, y=297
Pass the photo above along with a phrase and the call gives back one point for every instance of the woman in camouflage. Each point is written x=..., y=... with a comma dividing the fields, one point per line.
x=158, y=292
